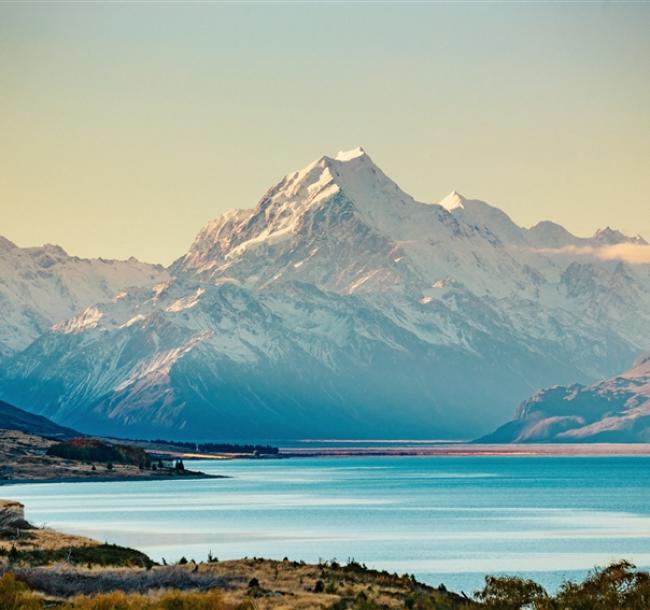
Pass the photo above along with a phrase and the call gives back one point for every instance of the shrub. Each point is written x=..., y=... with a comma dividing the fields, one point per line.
x=15, y=595
x=618, y=586
x=170, y=600
x=13, y=555
x=177, y=600
x=99, y=554
x=92, y=450
x=512, y=593
x=116, y=600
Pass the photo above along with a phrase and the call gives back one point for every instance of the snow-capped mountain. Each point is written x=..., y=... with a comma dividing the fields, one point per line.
x=339, y=305
x=42, y=286
x=614, y=410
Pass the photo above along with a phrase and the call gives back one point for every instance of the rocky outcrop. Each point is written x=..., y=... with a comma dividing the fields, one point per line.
x=12, y=516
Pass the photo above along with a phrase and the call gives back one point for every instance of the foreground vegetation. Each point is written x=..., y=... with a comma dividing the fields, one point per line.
x=42, y=569
x=290, y=585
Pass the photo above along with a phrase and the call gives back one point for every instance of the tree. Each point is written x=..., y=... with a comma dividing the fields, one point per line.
x=512, y=593
x=13, y=554
x=619, y=586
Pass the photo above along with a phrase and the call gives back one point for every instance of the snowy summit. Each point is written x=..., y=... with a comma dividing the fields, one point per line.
x=338, y=302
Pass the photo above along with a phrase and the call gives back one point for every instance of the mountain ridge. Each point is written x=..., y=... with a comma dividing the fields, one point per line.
x=41, y=286
x=13, y=418
x=341, y=305
x=614, y=410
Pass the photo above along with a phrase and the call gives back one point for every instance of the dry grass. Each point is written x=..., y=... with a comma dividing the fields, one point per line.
x=287, y=585
x=42, y=539
x=25, y=538
x=277, y=585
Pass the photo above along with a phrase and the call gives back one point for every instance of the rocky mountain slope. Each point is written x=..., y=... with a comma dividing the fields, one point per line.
x=42, y=286
x=615, y=410
x=341, y=306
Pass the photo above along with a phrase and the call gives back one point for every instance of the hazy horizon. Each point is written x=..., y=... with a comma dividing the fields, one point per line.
x=126, y=129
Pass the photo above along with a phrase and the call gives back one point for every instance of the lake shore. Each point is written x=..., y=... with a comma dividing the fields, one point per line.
x=24, y=458
x=457, y=449
x=43, y=568
x=113, y=479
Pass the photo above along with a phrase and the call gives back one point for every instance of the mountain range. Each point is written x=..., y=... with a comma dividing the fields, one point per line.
x=616, y=410
x=42, y=286
x=337, y=306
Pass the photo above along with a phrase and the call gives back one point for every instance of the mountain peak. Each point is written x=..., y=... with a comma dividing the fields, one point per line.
x=609, y=236
x=452, y=201
x=348, y=155
x=6, y=244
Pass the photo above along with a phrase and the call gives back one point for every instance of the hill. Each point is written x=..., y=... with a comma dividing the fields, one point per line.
x=616, y=410
x=13, y=418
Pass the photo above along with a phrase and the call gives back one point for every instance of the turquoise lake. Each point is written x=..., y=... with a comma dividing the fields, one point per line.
x=444, y=519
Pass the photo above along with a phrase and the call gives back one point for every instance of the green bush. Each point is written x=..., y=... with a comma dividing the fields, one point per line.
x=99, y=554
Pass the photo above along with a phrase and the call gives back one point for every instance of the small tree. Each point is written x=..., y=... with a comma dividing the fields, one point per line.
x=13, y=554
x=619, y=586
x=512, y=593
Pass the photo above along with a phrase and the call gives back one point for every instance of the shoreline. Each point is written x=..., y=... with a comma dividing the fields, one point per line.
x=418, y=449
x=105, y=479
x=456, y=449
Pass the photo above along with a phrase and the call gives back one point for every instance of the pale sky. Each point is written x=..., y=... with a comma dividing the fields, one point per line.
x=125, y=127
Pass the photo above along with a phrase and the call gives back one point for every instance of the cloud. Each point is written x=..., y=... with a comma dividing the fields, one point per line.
x=629, y=253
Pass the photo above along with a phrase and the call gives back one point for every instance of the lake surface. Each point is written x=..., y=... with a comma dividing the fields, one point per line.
x=444, y=519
